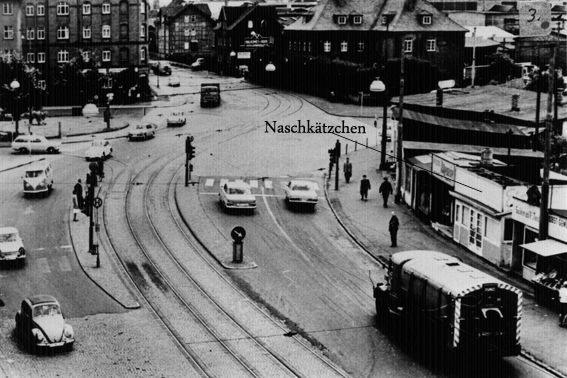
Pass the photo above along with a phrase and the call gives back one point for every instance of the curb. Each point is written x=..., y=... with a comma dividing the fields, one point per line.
x=20, y=165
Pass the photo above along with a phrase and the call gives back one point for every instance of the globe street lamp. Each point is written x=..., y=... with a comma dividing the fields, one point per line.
x=15, y=85
x=378, y=87
x=270, y=67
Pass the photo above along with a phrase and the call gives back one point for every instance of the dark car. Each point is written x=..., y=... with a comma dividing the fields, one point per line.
x=162, y=70
x=40, y=324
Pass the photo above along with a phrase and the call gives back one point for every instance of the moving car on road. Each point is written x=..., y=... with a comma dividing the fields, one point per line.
x=301, y=193
x=40, y=324
x=38, y=178
x=35, y=143
x=237, y=195
x=198, y=65
x=160, y=70
x=175, y=120
x=144, y=132
x=99, y=149
x=174, y=82
x=210, y=95
x=11, y=245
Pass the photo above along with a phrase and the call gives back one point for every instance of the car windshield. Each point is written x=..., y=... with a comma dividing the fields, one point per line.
x=8, y=238
x=300, y=187
x=237, y=191
x=33, y=173
x=49, y=309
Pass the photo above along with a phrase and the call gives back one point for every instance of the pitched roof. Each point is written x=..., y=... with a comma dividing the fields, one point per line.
x=405, y=16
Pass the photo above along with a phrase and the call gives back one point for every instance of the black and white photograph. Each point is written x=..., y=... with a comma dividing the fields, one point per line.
x=283, y=188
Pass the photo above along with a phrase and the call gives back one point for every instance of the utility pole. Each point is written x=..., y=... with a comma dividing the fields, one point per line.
x=337, y=156
x=399, y=138
x=473, y=73
x=544, y=206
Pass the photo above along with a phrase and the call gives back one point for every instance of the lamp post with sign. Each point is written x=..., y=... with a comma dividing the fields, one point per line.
x=379, y=87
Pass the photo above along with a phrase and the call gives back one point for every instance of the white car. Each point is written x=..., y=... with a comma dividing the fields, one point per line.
x=301, y=193
x=174, y=82
x=11, y=245
x=35, y=143
x=237, y=195
x=99, y=149
x=199, y=64
x=143, y=132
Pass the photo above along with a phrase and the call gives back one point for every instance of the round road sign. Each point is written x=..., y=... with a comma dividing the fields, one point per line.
x=238, y=233
x=97, y=202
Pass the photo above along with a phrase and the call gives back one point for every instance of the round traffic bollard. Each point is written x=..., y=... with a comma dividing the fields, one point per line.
x=237, y=252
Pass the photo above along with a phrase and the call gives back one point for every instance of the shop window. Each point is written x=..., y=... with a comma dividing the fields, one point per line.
x=457, y=214
x=492, y=229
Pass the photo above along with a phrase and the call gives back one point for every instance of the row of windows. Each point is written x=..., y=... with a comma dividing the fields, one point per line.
x=62, y=9
x=430, y=45
x=63, y=56
x=63, y=32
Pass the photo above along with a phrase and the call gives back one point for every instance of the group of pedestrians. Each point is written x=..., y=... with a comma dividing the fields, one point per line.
x=385, y=190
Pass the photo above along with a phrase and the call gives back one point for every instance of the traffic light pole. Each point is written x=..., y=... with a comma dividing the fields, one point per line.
x=189, y=155
x=337, y=156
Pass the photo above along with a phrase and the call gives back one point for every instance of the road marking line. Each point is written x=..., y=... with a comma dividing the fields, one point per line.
x=38, y=249
x=268, y=184
x=64, y=264
x=43, y=265
x=209, y=182
x=66, y=246
x=253, y=183
x=282, y=230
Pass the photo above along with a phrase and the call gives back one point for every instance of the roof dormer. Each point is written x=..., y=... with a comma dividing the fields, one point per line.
x=340, y=19
x=355, y=19
x=424, y=17
x=387, y=17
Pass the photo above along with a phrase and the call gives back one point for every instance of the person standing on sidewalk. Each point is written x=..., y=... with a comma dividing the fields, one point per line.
x=563, y=304
x=347, y=169
x=393, y=226
x=78, y=191
x=364, y=188
x=386, y=189
x=75, y=206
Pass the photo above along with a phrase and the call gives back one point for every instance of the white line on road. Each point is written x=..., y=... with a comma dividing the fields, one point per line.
x=64, y=264
x=43, y=265
x=209, y=182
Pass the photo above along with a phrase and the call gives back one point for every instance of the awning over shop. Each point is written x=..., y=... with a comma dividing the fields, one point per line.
x=545, y=248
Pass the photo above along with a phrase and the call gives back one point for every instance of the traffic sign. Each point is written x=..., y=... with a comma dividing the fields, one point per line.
x=238, y=233
x=97, y=202
x=535, y=19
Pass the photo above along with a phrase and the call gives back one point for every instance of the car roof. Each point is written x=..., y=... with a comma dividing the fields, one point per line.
x=37, y=166
x=8, y=230
x=301, y=182
x=28, y=136
x=41, y=298
x=237, y=184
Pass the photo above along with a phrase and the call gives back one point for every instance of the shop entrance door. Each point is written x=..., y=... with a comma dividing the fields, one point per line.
x=475, y=232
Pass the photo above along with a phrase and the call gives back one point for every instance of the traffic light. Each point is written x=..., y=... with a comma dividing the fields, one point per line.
x=332, y=156
x=189, y=149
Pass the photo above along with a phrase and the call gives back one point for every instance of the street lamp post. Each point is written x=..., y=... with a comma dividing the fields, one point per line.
x=232, y=55
x=109, y=97
x=15, y=85
x=379, y=87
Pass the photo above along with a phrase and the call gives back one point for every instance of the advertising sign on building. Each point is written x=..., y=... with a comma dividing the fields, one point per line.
x=243, y=55
x=443, y=170
x=256, y=42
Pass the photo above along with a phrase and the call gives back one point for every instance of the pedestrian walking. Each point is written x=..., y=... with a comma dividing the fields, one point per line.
x=347, y=169
x=563, y=304
x=385, y=190
x=78, y=190
x=101, y=168
x=364, y=188
x=393, y=226
x=75, y=206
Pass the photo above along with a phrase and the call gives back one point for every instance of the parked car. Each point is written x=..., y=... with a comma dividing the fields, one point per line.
x=38, y=178
x=99, y=149
x=198, y=65
x=301, y=193
x=143, y=132
x=35, y=143
x=40, y=324
x=11, y=245
x=175, y=120
x=236, y=195
x=161, y=70
x=174, y=82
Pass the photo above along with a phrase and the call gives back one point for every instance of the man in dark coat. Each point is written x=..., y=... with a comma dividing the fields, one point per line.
x=386, y=190
x=364, y=188
x=393, y=226
x=347, y=169
x=78, y=188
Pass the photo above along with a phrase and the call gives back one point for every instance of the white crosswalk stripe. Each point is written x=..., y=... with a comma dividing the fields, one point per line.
x=209, y=182
x=43, y=265
x=268, y=184
x=253, y=183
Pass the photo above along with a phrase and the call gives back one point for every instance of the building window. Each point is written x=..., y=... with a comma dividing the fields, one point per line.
x=426, y=20
x=86, y=56
x=344, y=46
x=105, y=31
x=63, y=56
x=430, y=45
x=62, y=8
x=41, y=83
x=31, y=58
x=106, y=56
x=63, y=32
x=508, y=230
x=87, y=32
x=87, y=8
x=7, y=8
x=357, y=20
x=193, y=18
x=492, y=229
x=408, y=45
x=106, y=8
x=143, y=7
x=29, y=10
x=40, y=10
x=8, y=32
x=40, y=33
x=186, y=19
x=143, y=31
x=143, y=54
x=309, y=47
x=30, y=33
x=360, y=46
x=41, y=57
x=529, y=258
x=327, y=46
x=341, y=20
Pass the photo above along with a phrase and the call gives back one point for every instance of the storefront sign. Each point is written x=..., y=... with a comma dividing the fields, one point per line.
x=443, y=170
x=527, y=214
x=256, y=42
x=558, y=227
x=243, y=55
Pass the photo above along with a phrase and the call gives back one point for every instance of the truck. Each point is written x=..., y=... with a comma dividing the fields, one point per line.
x=442, y=304
x=210, y=95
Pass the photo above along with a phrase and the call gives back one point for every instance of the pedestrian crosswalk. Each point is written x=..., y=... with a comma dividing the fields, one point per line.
x=47, y=265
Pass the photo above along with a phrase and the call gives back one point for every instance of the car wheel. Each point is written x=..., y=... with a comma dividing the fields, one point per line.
x=23, y=150
x=50, y=150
